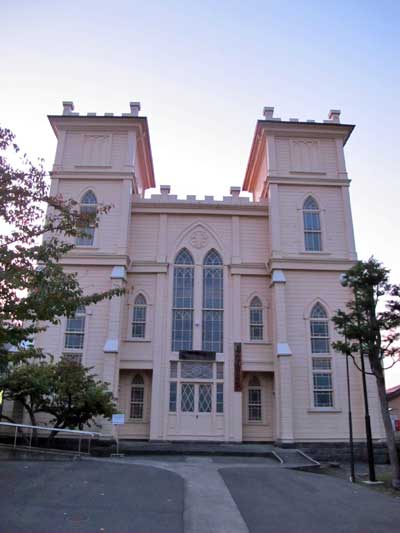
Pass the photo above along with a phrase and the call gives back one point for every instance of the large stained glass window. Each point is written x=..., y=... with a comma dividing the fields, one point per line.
x=213, y=302
x=182, y=313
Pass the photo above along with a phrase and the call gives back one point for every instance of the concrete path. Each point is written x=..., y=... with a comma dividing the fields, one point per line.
x=188, y=494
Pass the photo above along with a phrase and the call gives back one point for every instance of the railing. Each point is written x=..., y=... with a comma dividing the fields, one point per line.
x=81, y=434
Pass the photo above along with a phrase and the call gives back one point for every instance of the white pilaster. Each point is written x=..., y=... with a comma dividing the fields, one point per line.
x=112, y=344
x=283, y=374
x=234, y=399
x=348, y=220
x=159, y=408
x=274, y=221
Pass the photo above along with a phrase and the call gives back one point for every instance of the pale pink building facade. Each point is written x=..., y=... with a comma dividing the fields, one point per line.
x=224, y=333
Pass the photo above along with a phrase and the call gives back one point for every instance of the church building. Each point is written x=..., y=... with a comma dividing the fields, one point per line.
x=225, y=332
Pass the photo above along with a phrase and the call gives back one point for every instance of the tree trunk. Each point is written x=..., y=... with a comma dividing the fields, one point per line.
x=390, y=437
x=31, y=414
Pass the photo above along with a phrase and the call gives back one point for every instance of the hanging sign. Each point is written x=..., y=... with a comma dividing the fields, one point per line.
x=237, y=346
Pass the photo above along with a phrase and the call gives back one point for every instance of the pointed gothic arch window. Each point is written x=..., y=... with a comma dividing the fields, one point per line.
x=312, y=225
x=182, y=312
x=139, y=317
x=88, y=206
x=319, y=329
x=321, y=360
x=256, y=319
x=213, y=302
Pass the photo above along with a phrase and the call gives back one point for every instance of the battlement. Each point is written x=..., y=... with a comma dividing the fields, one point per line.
x=165, y=197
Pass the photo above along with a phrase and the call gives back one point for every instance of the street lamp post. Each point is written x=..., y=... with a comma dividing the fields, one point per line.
x=370, y=448
x=352, y=471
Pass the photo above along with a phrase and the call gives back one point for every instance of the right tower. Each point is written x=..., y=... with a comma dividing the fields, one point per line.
x=300, y=168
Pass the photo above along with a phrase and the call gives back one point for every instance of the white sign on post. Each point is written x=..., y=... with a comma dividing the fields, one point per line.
x=118, y=419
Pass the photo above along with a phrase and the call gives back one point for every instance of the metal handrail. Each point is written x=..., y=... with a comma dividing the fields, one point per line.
x=89, y=434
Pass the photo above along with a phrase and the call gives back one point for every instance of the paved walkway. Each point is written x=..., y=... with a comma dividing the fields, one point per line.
x=185, y=494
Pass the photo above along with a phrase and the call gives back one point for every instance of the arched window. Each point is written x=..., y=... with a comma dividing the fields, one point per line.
x=312, y=225
x=256, y=320
x=254, y=403
x=319, y=330
x=137, y=397
x=321, y=360
x=88, y=207
x=182, y=312
x=139, y=317
x=213, y=302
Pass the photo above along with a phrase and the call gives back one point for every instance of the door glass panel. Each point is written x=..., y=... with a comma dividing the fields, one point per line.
x=196, y=370
x=187, y=397
x=205, y=401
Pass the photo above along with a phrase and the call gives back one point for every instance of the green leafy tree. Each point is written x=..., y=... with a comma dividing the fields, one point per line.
x=67, y=392
x=374, y=333
x=37, y=230
x=77, y=397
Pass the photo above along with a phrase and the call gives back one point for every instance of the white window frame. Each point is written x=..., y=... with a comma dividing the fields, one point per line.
x=78, y=314
x=183, y=309
x=262, y=324
x=141, y=387
x=323, y=371
x=216, y=381
x=91, y=245
x=319, y=356
x=73, y=357
x=144, y=322
x=220, y=310
x=319, y=232
x=259, y=388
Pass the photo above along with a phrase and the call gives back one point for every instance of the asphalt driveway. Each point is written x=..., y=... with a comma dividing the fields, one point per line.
x=185, y=494
x=88, y=497
x=289, y=501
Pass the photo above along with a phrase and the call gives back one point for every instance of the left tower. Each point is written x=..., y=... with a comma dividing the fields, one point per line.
x=100, y=159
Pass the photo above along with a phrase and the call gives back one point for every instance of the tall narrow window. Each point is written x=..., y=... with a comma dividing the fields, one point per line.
x=139, y=317
x=182, y=313
x=213, y=302
x=319, y=330
x=88, y=207
x=254, y=402
x=256, y=320
x=322, y=382
x=312, y=226
x=75, y=330
x=137, y=397
x=321, y=364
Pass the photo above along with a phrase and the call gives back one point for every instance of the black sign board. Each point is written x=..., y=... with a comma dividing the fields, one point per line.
x=237, y=346
x=196, y=355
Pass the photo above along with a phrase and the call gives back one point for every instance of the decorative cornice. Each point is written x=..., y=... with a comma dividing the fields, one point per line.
x=147, y=267
x=249, y=269
x=312, y=263
x=188, y=207
x=307, y=180
x=80, y=258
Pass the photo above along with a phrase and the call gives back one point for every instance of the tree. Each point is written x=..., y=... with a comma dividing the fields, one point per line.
x=38, y=229
x=66, y=391
x=374, y=333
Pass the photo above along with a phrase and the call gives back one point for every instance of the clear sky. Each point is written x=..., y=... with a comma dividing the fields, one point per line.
x=203, y=71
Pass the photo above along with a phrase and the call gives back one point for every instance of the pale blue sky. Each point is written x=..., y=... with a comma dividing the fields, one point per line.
x=203, y=72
